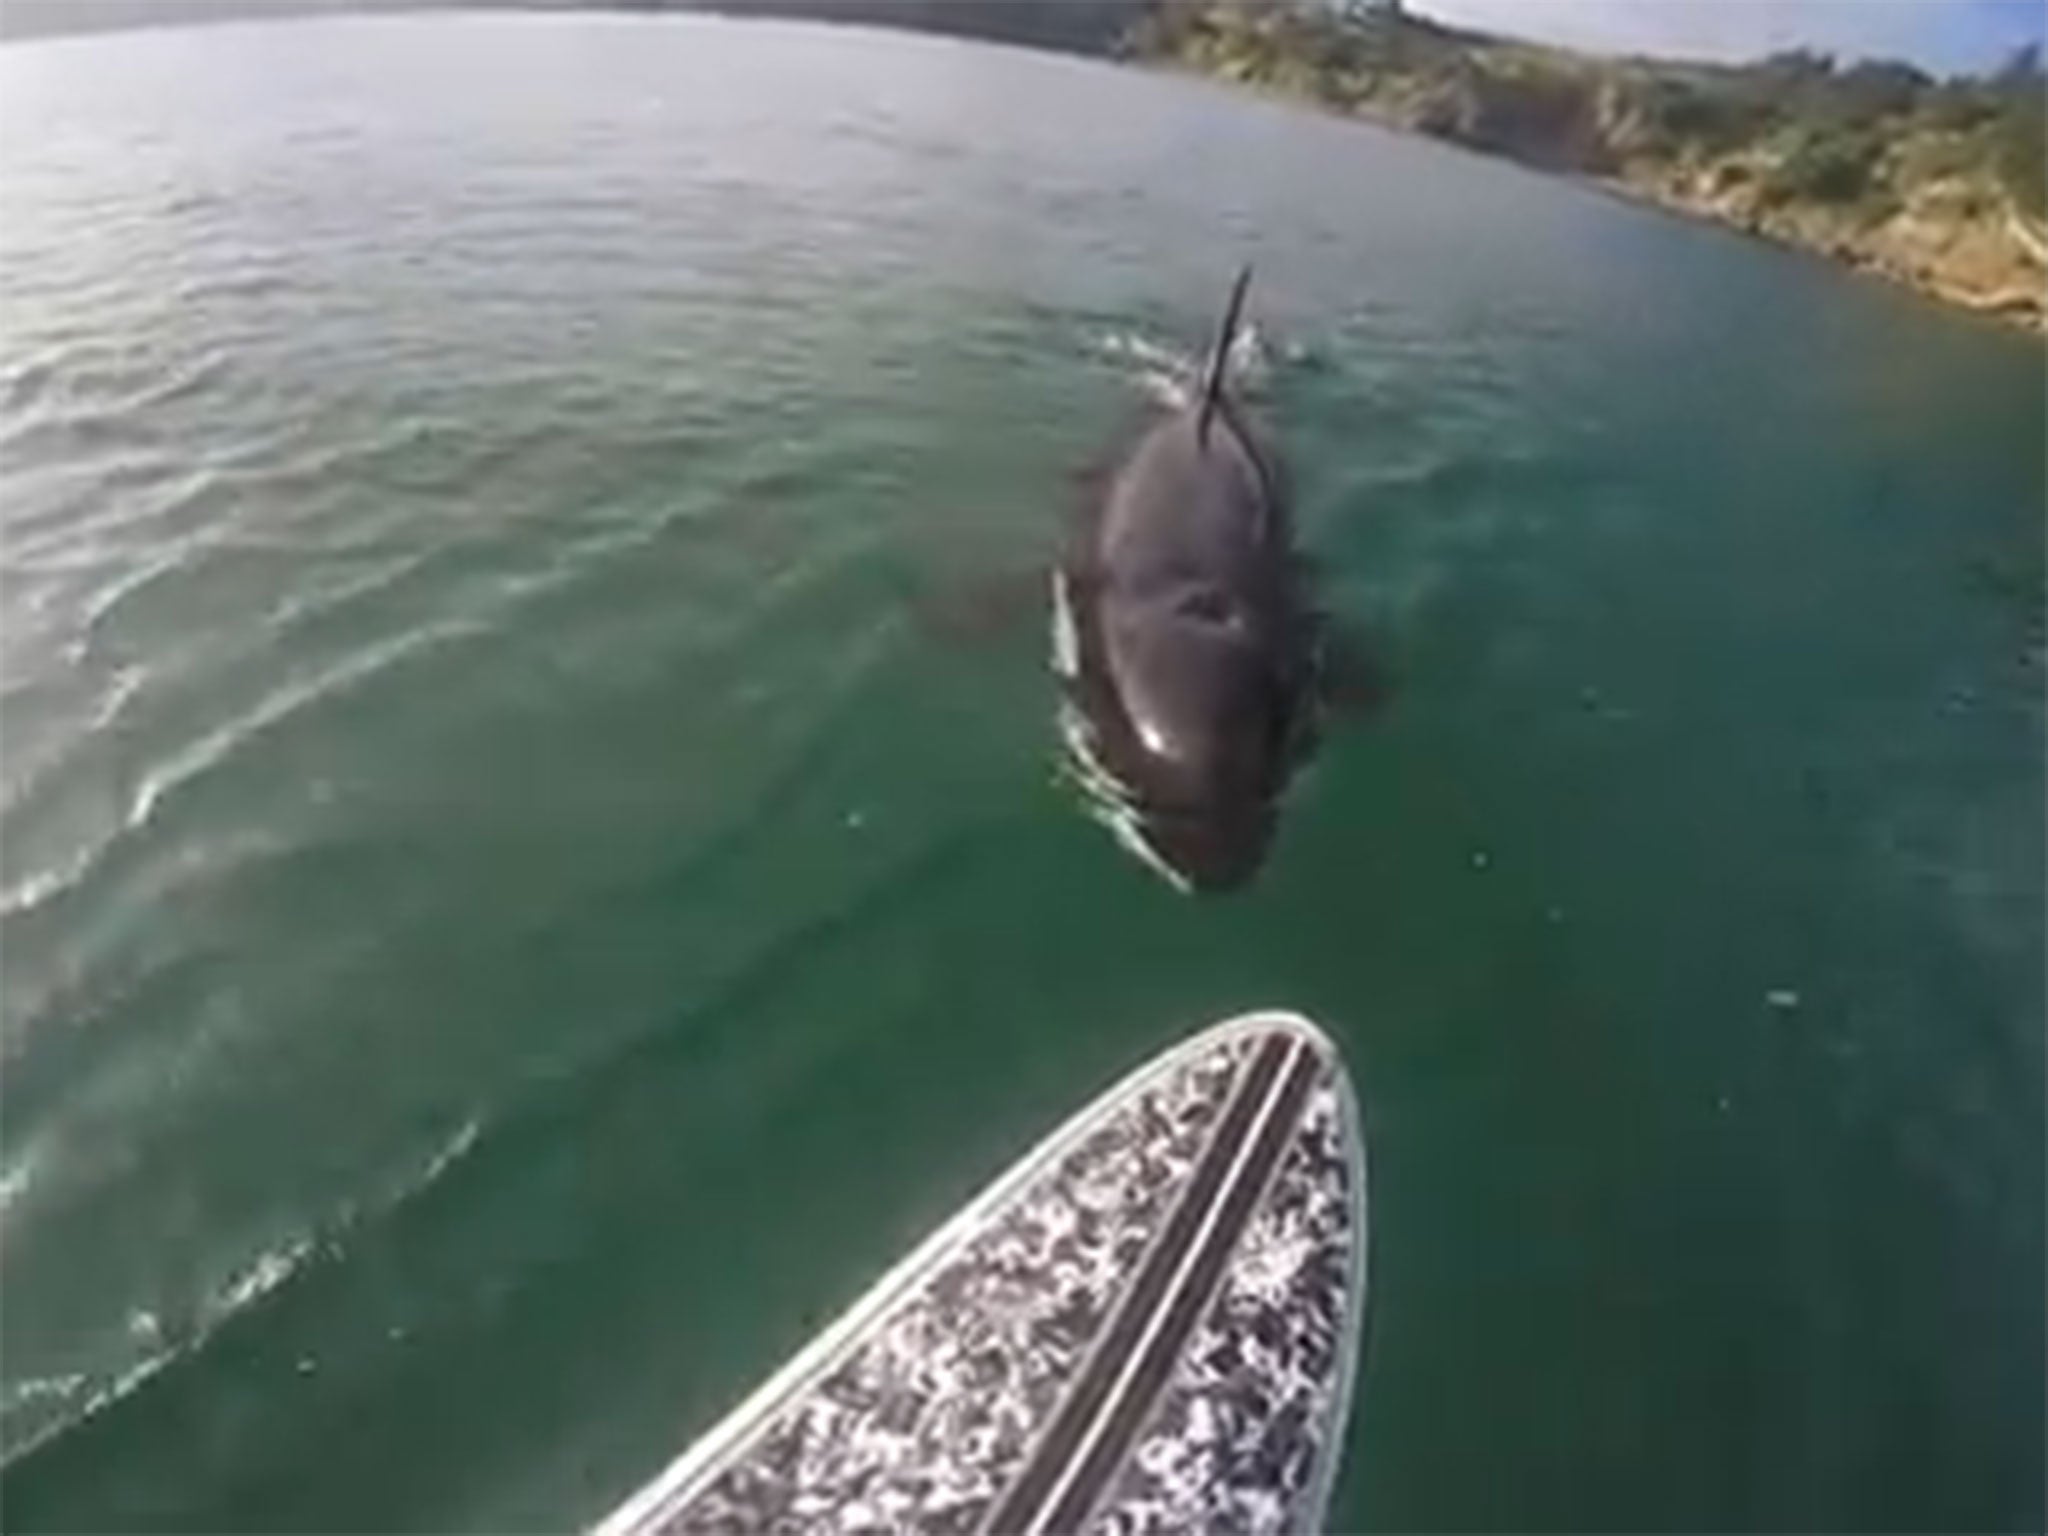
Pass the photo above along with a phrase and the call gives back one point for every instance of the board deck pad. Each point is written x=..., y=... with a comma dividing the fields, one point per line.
x=1149, y=1324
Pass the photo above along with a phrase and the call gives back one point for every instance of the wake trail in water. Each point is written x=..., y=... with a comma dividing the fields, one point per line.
x=79, y=1397
x=1169, y=374
x=185, y=766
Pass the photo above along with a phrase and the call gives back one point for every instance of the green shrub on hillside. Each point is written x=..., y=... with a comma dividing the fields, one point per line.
x=1679, y=116
x=1824, y=167
x=2021, y=129
x=1957, y=106
x=1859, y=97
x=2020, y=159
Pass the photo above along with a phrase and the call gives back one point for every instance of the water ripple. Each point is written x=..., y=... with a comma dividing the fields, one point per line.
x=469, y=755
x=218, y=746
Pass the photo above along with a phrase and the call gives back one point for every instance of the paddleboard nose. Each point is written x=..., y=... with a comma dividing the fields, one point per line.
x=1149, y=1323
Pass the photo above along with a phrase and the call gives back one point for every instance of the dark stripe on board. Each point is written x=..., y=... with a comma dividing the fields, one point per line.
x=1035, y=1481
x=1095, y=1417
x=1129, y=1416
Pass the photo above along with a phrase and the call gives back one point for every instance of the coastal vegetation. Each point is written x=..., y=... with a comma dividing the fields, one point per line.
x=1936, y=182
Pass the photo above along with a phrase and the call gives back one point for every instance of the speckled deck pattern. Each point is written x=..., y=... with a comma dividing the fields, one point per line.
x=920, y=1428
x=1235, y=1438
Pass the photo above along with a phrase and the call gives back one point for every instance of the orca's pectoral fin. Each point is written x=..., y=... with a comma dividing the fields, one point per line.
x=1356, y=676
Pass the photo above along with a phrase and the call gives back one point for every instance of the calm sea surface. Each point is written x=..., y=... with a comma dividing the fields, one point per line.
x=533, y=866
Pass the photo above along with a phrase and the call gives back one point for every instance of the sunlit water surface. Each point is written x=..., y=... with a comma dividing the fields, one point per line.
x=533, y=859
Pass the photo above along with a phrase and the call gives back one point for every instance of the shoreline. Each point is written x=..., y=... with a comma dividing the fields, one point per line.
x=2019, y=306
x=2024, y=311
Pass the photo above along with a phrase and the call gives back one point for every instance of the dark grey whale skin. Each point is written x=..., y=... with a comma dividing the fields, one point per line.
x=1190, y=651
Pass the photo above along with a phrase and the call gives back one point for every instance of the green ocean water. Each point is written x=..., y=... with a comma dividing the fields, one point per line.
x=532, y=860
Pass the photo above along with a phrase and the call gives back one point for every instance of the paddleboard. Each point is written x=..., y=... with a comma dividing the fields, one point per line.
x=1149, y=1324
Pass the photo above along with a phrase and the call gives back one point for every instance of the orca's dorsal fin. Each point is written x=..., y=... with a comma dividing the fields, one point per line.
x=1219, y=359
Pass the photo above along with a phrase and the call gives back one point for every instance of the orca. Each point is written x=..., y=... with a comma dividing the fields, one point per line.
x=1184, y=642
